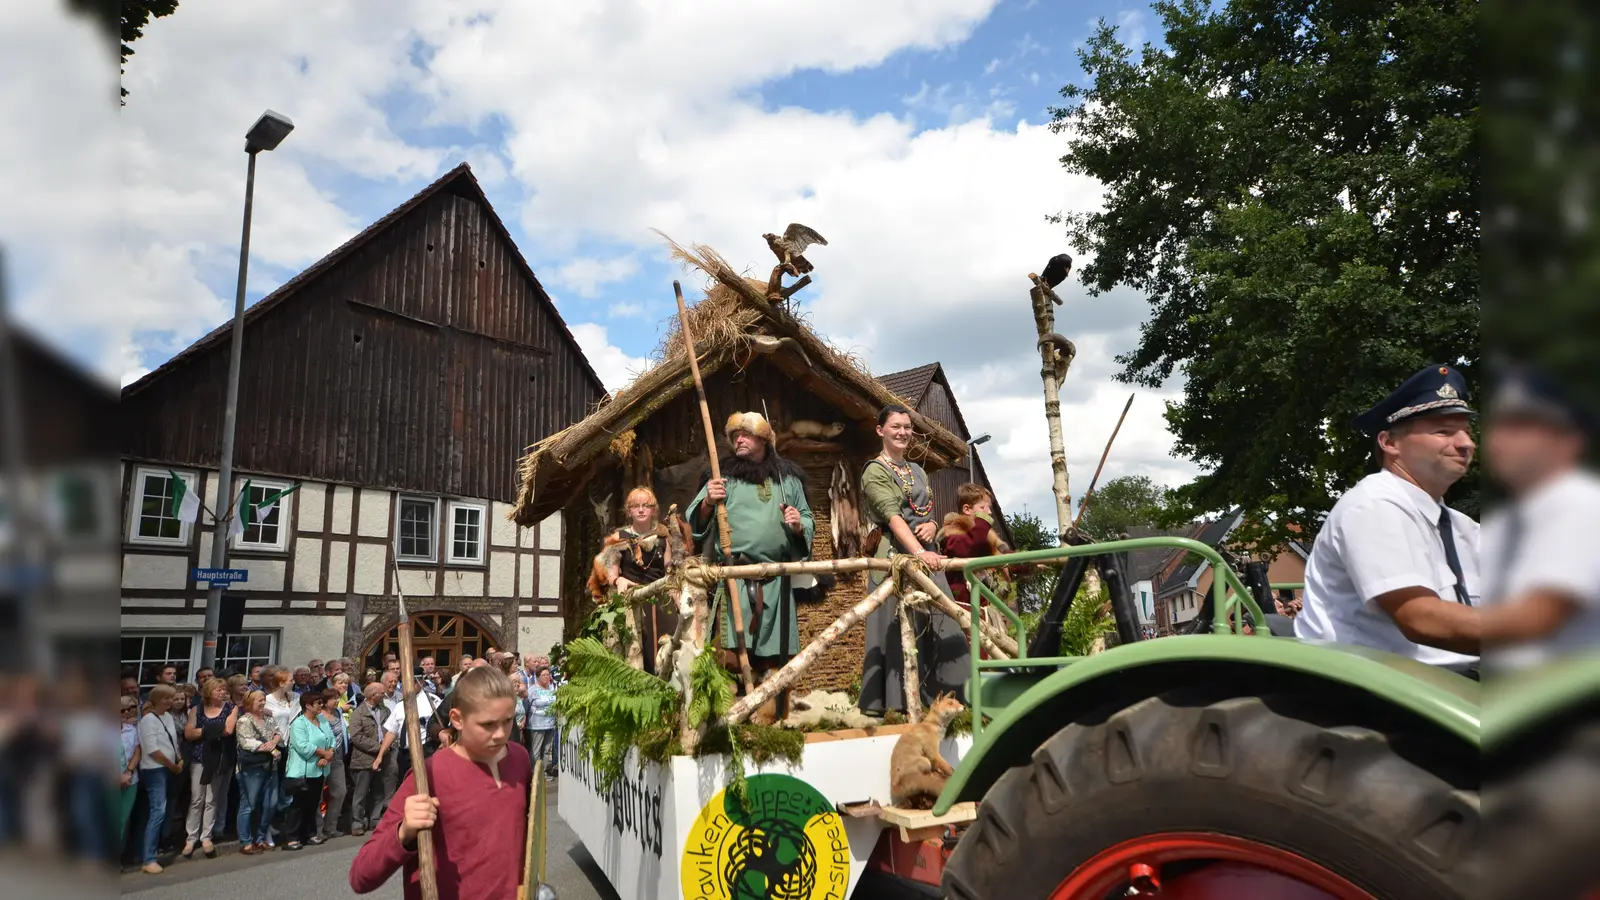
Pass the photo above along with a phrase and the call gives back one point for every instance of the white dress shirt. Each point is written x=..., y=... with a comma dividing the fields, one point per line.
x=397, y=718
x=1550, y=540
x=1383, y=535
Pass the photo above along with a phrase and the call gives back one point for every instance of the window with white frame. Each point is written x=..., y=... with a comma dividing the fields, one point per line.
x=466, y=532
x=147, y=654
x=154, y=511
x=239, y=653
x=78, y=505
x=416, y=525
x=271, y=532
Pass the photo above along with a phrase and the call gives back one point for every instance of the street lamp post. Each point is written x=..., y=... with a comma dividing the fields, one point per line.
x=266, y=134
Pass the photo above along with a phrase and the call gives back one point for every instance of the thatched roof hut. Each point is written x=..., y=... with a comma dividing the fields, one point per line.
x=752, y=355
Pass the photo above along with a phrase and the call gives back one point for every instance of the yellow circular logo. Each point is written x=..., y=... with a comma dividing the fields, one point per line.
x=788, y=845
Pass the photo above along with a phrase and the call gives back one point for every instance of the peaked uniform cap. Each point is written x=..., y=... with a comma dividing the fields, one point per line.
x=753, y=422
x=1432, y=391
x=1527, y=393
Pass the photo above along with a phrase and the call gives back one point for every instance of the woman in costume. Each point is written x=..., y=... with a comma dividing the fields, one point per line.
x=898, y=501
x=636, y=555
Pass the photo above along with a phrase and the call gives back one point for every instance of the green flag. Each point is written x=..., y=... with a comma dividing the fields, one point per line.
x=241, y=511
x=185, y=503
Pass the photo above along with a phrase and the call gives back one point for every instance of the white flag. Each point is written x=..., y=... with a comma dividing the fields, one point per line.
x=185, y=503
x=241, y=512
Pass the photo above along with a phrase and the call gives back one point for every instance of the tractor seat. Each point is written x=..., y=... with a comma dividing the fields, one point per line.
x=1280, y=625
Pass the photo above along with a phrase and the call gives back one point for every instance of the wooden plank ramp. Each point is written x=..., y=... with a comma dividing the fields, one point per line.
x=922, y=824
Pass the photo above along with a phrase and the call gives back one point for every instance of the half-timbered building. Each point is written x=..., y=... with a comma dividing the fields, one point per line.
x=396, y=381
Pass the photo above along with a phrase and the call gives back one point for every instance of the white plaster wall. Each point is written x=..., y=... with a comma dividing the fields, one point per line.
x=374, y=514
x=300, y=638
x=141, y=570
x=307, y=565
x=536, y=634
x=265, y=574
x=416, y=582
x=463, y=584
x=343, y=503
x=338, y=567
x=208, y=493
x=502, y=574
x=525, y=576
x=205, y=547
x=550, y=532
x=549, y=577
x=369, y=569
x=503, y=531
x=313, y=499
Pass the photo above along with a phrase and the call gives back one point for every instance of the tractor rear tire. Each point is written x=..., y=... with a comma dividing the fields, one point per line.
x=1545, y=828
x=1272, y=770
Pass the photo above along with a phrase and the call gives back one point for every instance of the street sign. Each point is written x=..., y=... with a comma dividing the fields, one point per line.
x=221, y=576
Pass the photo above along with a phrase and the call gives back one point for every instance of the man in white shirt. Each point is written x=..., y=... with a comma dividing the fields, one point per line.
x=394, y=733
x=1542, y=550
x=1393, y=568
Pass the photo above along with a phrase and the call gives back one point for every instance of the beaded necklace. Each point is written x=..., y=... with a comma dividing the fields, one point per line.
x=907, y=478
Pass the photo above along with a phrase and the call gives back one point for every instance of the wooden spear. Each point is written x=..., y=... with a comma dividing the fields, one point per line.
x=1084, y=503
x=427, y=872
x=724, y=532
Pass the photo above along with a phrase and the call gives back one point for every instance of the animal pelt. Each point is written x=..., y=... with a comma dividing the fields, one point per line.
x=614, y=544
x=817, y=431
x=844, y=514
x=917, y=771
x=957, y=525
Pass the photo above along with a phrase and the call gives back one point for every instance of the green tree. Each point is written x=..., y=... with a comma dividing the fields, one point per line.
x=1293, y=184
x=136, y=14
x=1122, y=503
x=1028, y=532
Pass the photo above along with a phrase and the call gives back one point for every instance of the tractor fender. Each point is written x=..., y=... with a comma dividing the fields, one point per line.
x=1037, y=707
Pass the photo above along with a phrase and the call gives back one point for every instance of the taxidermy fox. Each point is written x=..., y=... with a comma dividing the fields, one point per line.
x=917, y=772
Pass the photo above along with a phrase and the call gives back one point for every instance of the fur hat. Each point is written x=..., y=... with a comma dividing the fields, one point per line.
x=753, y=422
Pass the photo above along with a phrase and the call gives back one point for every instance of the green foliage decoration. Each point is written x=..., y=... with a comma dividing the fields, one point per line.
x=615, y=707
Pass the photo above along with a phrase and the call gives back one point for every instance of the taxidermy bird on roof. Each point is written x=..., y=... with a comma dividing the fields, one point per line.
x=1057, y=269
x=796, y=238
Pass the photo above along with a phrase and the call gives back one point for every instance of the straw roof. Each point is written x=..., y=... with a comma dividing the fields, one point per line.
x=734, y=311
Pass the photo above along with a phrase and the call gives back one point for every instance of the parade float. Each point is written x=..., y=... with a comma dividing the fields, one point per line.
x=1214, y=764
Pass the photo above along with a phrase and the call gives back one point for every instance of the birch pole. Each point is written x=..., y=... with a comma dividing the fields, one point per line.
x=791, y=670
x=998, y=644
x=910, y=679
x=1054, y=363
x=427, y=872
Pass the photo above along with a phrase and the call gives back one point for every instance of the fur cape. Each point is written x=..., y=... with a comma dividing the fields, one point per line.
x=773, y=466
x=615, y=544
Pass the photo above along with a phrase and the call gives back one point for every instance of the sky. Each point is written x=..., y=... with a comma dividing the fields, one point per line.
x=913, y=134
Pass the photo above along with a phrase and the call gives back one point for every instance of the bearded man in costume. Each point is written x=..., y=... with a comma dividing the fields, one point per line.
x=771, y=522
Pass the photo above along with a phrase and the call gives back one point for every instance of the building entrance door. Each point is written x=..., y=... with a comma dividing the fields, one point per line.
x=445, y=636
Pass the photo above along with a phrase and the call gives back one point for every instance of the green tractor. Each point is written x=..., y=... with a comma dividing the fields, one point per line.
x=1223, y=764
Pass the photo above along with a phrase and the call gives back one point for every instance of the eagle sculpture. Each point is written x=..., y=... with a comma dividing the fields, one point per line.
x=796, y=238
x=1056, y=270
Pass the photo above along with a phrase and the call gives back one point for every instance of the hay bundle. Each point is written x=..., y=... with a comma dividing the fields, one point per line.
x=622, y=445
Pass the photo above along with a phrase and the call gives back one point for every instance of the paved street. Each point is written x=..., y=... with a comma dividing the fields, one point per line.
x=324, y=872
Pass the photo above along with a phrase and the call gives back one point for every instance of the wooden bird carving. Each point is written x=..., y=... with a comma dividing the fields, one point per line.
x=796, y=238
x=844, y=514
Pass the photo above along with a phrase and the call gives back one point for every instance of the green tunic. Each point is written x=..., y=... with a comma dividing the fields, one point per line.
x=755, y=515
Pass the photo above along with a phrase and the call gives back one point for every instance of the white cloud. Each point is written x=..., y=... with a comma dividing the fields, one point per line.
x=615, y=367
x=932, y=230
x=586, y=274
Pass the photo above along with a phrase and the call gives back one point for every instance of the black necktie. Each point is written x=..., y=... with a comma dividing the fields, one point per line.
x=1447, y=534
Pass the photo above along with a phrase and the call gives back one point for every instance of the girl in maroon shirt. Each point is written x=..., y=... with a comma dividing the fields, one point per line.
x=478, y=811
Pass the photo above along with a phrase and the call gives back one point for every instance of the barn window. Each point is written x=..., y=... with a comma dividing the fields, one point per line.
x=414, y=532
x=466, y=532
x=155, y=510
x=265, y=530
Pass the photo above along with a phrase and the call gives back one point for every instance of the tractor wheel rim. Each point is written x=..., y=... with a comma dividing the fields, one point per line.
x=1114, y=866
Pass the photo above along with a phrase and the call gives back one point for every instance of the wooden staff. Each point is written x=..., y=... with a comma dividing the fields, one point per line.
x=427, y=872
x=725, y=533
x=1084, y=503
x=533, y=852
